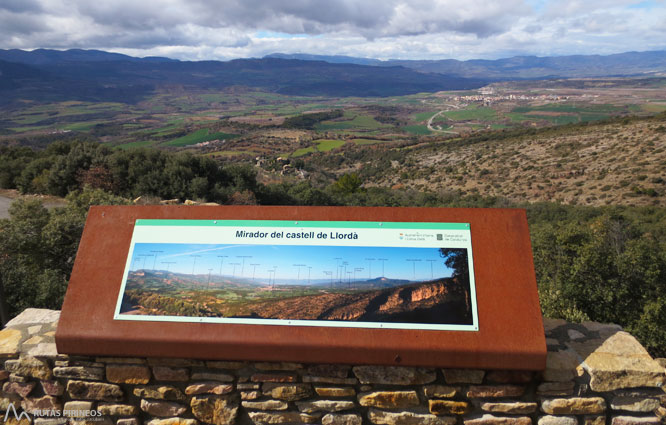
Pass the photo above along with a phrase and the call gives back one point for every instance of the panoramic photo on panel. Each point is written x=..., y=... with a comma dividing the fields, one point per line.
x=412, y=285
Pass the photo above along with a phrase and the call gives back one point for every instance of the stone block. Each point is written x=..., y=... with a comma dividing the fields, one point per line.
x=634, y=404
x=213, y=409
x=440, y=391
x=273, y=377
x=128, y=421
x=162, y=408
x=389, y=399
x=555, y=388
x=335, y=392
x=9, y=342
x=341, y=419
x=94, y=391
x=463, y=376
x=52, y=388
x=394, y=375
x=160, y=392
x=46, y=402
x=288, y=392
x=250, y=395
x=97, y=420
x=488, y=419
x=29, y=366
x=283, y=418
x=166, y=373
x=324, y=406
x=511, y=407
x=209, y=387
x=78, y=405
x=573, y=406
x=34, y=316
x=495, y=391
x=211, y=376
x=265, y=405
x=50, y=421
x=112, y=409
x=35, y=339
x=248, y=386
x=79, y=372
x=20, y=388
x=381, y=417
x=560, y=366
x=557, y=420
x=172, y=421
x=448, y=407
x=618, y=361
x=45, y=350
x=631, y=420
x=127, y=374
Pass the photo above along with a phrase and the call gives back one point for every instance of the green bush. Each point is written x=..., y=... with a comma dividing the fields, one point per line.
x=38, y=246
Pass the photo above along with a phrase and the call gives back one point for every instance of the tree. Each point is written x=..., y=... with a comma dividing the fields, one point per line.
x=38, y=246
x=456, y=259
x=348, y=183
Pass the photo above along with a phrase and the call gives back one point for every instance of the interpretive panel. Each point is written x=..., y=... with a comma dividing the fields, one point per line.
x=301, y=273
x=436, y=287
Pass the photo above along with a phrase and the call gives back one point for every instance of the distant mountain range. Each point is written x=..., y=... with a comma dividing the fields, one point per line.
x=101, y=76
x=519, y=67
x=161, y=279
x=94, y=75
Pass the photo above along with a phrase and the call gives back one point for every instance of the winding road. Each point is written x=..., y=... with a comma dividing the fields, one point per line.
x=439, y=130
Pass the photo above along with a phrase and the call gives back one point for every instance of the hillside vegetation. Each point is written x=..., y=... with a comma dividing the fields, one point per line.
x=596, y=257
x=618, y=162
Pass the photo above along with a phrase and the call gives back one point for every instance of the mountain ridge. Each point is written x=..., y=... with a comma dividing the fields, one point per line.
x=519, y=67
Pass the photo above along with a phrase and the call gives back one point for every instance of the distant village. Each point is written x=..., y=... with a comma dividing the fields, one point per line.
x=488, y=96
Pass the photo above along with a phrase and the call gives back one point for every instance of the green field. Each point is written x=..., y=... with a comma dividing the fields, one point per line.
x=569, y=114
x=354, y=121
x=320, y=145
x=199, y=136
x=423, y=116
x=417, y=130
x=473, y=113
x=303, y=151
x=325, y=145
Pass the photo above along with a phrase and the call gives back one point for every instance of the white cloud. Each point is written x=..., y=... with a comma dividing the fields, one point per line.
x=418, y=29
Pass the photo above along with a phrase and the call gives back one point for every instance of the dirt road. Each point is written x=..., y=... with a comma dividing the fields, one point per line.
x=439, y=128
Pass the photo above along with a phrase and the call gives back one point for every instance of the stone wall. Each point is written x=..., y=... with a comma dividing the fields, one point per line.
x=596, y=374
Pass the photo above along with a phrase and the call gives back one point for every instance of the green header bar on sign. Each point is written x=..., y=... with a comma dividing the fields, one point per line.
x=287, y=223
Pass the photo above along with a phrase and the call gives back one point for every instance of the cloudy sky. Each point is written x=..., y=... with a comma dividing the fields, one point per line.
x=416, y=29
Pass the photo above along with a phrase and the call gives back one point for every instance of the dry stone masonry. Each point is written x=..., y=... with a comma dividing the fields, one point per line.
x=596, y=375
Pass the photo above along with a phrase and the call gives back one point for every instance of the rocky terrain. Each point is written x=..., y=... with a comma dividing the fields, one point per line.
x=604, y=164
